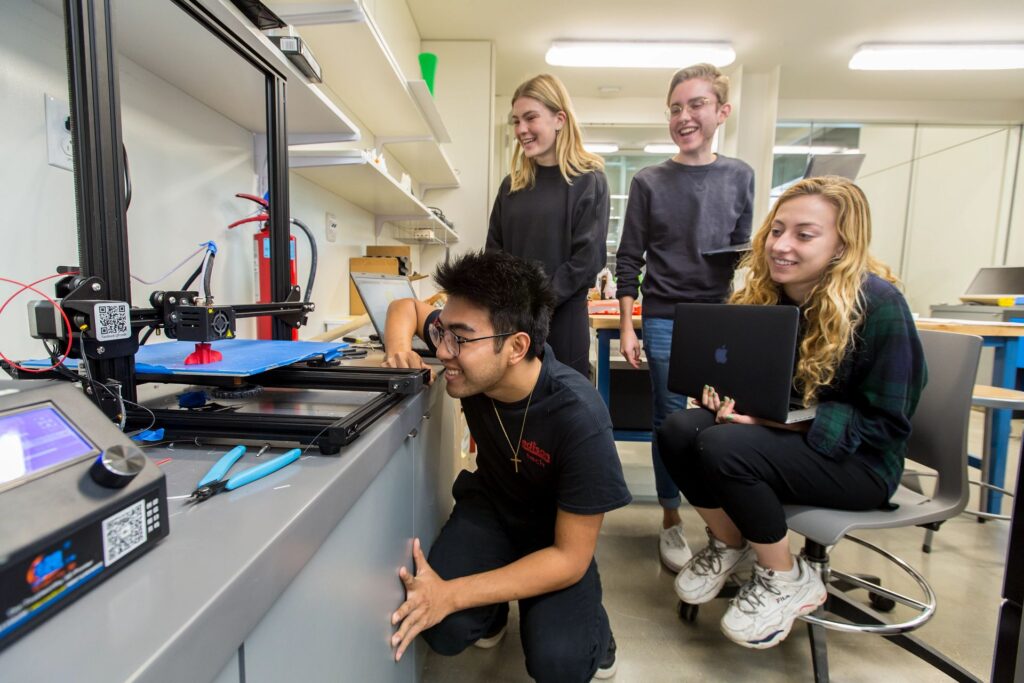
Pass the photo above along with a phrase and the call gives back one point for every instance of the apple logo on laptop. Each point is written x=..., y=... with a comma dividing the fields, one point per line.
x=721, y=355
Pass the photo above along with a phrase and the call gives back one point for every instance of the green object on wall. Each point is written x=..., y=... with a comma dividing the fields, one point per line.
x=428, y=67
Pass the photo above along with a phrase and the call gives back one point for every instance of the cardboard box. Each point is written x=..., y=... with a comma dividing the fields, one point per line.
x=367, y=264
x=401, y=251
x=390, y=250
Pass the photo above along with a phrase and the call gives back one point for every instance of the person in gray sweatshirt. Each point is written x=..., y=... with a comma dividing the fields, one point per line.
x=680, y=213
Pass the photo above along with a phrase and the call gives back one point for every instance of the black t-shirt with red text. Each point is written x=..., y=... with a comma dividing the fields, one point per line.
x=567, y=457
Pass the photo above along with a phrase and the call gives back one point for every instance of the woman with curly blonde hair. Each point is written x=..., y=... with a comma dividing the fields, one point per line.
x=859, y=360
x=553, y=209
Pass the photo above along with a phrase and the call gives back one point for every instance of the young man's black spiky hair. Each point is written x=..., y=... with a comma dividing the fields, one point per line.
x=514, y=292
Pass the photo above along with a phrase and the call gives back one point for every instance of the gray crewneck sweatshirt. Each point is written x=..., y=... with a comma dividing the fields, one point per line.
x=675, y=215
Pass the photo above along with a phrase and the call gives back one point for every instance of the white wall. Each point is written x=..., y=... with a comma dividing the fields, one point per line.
x=885, y=178
x=39, y=226
x=955, y=221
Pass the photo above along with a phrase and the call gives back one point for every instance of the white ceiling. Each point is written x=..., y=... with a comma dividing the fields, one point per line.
x=811, y=41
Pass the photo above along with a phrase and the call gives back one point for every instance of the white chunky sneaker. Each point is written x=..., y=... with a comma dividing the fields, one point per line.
x=702, y=577
x=763, y=612
x=607, y=666
x=673, y=548
x=491, y=639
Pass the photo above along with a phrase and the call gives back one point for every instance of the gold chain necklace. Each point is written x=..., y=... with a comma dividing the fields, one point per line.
x=522, y=429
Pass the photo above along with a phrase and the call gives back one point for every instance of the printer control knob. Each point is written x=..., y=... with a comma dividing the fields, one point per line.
x=117, y=466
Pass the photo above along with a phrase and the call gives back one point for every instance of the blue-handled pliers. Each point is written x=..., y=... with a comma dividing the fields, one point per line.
x=214, y=482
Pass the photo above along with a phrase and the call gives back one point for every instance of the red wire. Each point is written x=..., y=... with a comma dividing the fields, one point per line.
x=55, y=305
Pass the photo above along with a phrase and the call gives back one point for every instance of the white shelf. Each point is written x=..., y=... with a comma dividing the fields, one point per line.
x=425, y=161
x=358, y=67
x=348, y=174
x=163, y=39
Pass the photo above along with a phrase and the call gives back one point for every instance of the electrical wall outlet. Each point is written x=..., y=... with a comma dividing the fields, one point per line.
x=332, y=228
x=58, y=133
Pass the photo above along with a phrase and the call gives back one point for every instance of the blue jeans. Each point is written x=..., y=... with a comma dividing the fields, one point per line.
x=658, y=347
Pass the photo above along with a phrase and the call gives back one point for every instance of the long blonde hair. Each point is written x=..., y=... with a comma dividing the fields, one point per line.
x=834, y=308
x=573, y=160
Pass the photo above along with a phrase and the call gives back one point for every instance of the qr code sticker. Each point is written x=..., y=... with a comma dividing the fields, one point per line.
x=124, y=532
x=111, y=321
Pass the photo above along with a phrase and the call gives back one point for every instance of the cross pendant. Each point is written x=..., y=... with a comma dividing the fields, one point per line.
x=516, y=461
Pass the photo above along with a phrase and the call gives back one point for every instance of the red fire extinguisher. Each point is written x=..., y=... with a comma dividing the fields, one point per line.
x=261, y=263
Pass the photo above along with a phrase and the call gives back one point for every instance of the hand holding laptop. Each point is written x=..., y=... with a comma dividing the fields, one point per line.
x=724, y=409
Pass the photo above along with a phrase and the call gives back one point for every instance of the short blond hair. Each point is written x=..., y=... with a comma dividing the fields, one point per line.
x=708, y=72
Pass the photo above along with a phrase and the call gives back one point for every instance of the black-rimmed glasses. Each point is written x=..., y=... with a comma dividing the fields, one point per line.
x=452, y=341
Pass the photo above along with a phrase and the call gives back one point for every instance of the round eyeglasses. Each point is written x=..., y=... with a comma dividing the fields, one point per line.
x=452, y=341
x=694, y=107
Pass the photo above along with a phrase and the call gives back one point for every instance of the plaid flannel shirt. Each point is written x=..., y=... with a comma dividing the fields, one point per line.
x=865, y=412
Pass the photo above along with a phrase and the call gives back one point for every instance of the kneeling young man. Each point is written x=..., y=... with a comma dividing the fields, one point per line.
x=525, y=523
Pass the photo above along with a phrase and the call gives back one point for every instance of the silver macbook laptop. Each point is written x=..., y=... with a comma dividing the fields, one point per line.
x=744, y=352
x=378, y=290
x=994, y=283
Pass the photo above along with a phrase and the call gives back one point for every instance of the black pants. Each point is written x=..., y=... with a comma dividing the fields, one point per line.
x=569, y=335
x=564, y=633
x=750, y=471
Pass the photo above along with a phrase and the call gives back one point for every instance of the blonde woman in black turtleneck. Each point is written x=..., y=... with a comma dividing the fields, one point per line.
x=552, y=208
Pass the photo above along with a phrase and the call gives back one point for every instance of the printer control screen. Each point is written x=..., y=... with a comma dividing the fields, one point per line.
x=38, y=439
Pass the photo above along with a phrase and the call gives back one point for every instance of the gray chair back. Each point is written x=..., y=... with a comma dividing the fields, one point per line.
x=939, y=437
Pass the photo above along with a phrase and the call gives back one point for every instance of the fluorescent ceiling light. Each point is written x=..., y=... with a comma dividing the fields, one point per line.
x=638, y=55
x=938, y=57
x=601, y=147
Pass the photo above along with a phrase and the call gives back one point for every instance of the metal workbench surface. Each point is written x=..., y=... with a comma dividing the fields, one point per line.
x=180, y=612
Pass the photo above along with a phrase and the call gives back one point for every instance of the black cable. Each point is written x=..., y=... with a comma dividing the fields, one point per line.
x=208, y=276
x=312, y=259
x=192, y=278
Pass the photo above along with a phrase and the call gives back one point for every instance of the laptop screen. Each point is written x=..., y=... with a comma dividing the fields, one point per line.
x=997, y=280
x=378, y=290
x=845, y=165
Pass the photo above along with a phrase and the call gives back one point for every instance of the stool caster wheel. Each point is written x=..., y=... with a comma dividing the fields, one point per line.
x=688, y=612
x=881, y=603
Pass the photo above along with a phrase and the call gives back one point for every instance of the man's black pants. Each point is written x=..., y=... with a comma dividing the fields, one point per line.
x=564, y=633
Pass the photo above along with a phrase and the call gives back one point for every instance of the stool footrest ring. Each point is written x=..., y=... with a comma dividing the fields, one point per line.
x=926, y=608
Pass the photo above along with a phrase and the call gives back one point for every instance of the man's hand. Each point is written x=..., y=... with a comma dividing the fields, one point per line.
x=629, y=345
x=406, y=359
x=428, y=600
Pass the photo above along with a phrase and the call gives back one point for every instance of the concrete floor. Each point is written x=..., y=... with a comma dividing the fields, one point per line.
x=965, y=569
